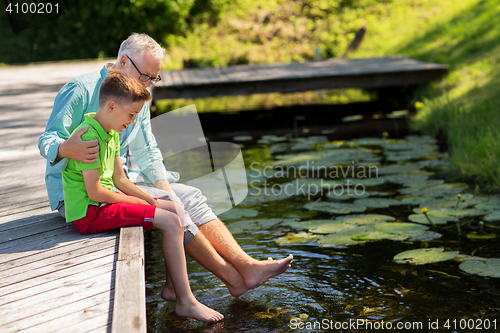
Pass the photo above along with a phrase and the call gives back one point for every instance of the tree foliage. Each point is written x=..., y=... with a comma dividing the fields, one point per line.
x=95, y=28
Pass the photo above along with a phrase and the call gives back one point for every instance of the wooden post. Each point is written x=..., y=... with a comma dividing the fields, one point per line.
x=129, y=308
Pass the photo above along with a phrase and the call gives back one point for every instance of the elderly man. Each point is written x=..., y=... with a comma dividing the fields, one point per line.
x=206, y=238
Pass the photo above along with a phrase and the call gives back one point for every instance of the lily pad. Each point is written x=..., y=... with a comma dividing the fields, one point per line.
x=486, y=206
x=413, y=200
x=303, y=146
x=365, y=218
x=397, y=168
x=254, y=225
x=424, y=256
x=405, y=178
x=237, y=213
x=366, y=182
x=476, y=236
x=299, y=214
x=369, y=142
x=401, y=145
x=400, y=228
x=426, y=236
x=344, y=238
x=491, y=267
x=335, y=207
x=493, y=216
x=378, y=202
x=306, y=225
x=298, y=238
x=420, y=218
x=379, y=235
x=401, y=157
x=242, y=138
x=347, y=196
x=333, y=226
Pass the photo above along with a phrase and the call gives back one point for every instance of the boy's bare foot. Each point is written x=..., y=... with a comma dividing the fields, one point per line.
x=261, y=271
x=168, y=293
x=198, y=311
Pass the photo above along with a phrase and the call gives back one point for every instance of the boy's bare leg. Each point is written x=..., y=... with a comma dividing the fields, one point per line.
x=254, y=272
x=173, y=252
x=203, y=252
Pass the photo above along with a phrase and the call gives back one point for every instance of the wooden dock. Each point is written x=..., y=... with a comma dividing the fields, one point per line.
x=53, y=279
x=369, y=73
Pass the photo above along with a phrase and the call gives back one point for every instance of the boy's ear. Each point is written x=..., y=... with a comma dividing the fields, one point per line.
x=111, y=106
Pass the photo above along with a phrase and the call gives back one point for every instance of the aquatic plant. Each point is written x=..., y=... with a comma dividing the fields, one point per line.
x=424, y=211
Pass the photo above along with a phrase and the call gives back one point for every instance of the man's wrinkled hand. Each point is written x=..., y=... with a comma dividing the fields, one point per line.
x=163, y=185
x=79, y=150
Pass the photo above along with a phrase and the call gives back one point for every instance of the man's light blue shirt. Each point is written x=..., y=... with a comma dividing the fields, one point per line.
x=79, y=97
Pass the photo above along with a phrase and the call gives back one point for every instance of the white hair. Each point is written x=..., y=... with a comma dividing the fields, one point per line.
x=136, y=44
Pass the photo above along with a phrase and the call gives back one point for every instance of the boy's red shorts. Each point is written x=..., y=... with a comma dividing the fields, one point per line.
x=107, y=217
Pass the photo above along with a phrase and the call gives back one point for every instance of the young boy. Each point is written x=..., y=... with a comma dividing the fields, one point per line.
x=93, y=207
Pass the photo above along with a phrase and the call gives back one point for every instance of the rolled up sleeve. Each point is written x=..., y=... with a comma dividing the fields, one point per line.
x=66, y=115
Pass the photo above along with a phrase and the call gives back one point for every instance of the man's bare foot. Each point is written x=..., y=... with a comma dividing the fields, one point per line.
x=261, y=271
x=198, y=311
x=237, y=290
x=168, y=292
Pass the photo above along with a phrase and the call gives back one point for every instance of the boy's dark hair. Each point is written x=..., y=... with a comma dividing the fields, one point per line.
x=122, y=88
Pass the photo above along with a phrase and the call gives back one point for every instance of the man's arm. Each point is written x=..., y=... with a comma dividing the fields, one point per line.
x=124, y=184
x=148, y=156
x=164, y=185
x=98, y=193
x=77, y=149
x=55, y=143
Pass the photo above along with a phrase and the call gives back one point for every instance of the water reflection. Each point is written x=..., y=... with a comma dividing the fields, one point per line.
x=338, y=285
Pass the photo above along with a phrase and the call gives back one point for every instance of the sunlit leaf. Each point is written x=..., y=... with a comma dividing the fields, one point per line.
x=424, y=256
x=491, y=267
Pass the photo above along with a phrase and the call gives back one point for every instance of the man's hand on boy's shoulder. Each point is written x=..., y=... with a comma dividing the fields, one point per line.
x=79, y=150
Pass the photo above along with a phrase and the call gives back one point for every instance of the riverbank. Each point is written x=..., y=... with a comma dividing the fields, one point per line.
x=461, y=109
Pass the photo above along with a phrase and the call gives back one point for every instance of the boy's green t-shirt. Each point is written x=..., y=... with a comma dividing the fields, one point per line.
x=76, y=199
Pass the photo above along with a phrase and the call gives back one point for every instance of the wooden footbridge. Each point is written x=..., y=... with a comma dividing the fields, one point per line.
x=370, y=73
x=53, y=279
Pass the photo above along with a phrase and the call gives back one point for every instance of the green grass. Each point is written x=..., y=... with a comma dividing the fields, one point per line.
x=464, y=106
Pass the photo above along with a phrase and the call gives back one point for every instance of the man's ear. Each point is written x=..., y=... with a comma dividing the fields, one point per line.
x=123, y=60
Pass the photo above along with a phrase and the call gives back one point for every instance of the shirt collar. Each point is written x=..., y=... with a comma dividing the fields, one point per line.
x=103, y=135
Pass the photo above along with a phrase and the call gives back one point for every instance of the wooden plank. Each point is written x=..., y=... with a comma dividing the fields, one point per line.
x=129, y=309
x=41, y=241
x=12, y=233
x=176, y=79
x=98, y=323
x=55, y=280
x=54, y=302
x=75, y=319
x=10, y=199
x=49, y=263
x=43, y=275
x=25, y=208
x=59, y=253
x=66, y=238
x=25, y=218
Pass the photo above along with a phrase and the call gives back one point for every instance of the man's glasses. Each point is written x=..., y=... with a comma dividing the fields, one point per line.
x=145, y=77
